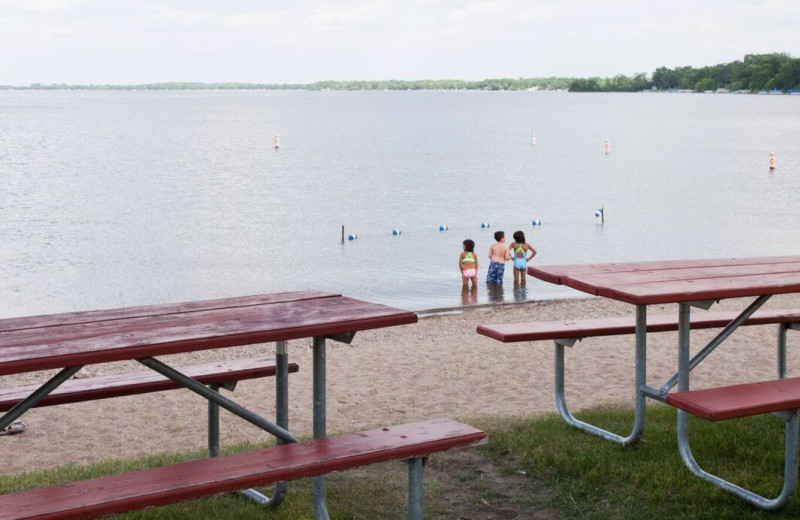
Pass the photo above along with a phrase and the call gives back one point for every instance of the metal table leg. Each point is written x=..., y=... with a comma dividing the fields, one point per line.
x=791, y=435
x=319, y=489
x=640, y=381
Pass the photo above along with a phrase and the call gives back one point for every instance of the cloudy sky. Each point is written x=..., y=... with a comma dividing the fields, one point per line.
x=126, y=42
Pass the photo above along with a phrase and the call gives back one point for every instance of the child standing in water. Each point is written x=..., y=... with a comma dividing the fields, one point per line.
x=498, y=254
x=468, y=264
x=519, y=251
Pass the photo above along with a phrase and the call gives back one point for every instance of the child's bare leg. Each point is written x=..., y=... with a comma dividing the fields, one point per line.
x=516, y=276
x=464, y=280
x=522, y=273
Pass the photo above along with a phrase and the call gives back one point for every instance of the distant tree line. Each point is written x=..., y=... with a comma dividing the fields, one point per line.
x=757, y=72
x=424, y=84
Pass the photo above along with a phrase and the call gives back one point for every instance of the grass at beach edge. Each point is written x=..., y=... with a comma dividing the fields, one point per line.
x=532, y=468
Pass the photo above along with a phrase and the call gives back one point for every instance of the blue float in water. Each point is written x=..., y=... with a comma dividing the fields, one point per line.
x=352, y=236
x=484, y=224
x=443, y=228
x=396, y=231
x=597, y=213
x=536, y=222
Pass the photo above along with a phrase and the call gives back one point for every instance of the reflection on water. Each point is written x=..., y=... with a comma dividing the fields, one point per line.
x=495, y=292
x=520, y=293
x=469, y=295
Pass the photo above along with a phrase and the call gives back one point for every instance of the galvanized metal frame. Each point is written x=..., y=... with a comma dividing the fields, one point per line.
x=415, y=492
x=640, y=381
x=791, y=418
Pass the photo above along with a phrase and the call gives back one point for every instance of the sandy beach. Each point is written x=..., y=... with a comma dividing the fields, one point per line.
x=437, y=367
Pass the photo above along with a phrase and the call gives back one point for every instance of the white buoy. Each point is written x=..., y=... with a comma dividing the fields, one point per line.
x=608, y=146
x=276, y=141
x=772, y=163
x=352, y=236
x=443, y=228
x=484, y=225
x=533, y=137
x=397, y=231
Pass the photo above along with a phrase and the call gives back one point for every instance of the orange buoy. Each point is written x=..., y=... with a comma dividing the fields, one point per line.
x=772, y=163
x=608, y=147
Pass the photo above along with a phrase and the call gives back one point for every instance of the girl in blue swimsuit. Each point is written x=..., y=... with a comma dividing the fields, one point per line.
x=520, y=250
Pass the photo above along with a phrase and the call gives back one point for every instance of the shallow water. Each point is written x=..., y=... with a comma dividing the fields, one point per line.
x=126, y=198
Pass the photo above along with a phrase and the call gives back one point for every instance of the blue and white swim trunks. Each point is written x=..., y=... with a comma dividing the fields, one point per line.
x=496, y=272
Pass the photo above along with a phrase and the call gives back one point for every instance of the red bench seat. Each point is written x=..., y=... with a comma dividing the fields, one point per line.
x=576, y=329
x=168, y=484
x=103, y=387
x=731, y=402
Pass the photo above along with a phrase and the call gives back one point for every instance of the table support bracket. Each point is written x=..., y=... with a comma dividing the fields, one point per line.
x=210, y=395
x=717, y=341
x=639, y=383
x=346, y=337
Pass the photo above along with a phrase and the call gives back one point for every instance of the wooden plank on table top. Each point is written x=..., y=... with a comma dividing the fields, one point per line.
x=731, y=402
x=593, y=282
x=72, y=318
x=282, y=313
x=168, y=484
x=703, y=289
x=575, y=329
x=144, y=337
x=554, y=273
x=102, y=387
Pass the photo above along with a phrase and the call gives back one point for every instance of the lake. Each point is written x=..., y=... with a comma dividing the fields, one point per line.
x=125, y=198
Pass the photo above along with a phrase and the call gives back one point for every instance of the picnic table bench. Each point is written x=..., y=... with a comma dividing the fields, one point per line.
x=169, y=484
x=69, y=341
x=689, y=283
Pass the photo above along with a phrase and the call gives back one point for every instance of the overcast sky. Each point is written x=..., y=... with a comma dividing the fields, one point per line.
x=143, y=41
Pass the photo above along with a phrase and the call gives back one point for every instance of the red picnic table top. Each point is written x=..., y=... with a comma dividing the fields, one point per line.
x=647, y=283
x=81, y=338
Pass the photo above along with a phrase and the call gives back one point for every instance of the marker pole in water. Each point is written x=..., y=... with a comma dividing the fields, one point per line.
x=608, y=147
x=533, y=137
x=772, y=163
x=342, y=234
x=276, y=141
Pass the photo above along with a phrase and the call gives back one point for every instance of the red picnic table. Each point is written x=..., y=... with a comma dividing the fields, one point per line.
x=71, y=340
x=695, y=283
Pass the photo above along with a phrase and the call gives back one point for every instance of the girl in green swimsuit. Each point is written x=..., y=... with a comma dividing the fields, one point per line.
x=468, y=264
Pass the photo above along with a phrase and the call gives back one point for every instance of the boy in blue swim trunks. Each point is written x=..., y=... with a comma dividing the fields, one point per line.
x=498, y=255
x=519, y=251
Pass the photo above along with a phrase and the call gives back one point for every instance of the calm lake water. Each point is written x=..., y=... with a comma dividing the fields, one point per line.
x=124, y=198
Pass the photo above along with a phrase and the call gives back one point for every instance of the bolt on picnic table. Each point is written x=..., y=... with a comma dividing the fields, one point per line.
x=688, y=283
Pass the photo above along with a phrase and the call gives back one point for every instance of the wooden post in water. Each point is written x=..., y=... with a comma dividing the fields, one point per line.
x=342, y=234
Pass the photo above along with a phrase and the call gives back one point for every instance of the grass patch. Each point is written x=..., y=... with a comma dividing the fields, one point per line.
x=534, y=468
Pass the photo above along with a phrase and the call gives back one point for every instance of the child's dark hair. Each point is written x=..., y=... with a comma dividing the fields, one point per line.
x=469, y=246
x=519, y=237
x=498, y=235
